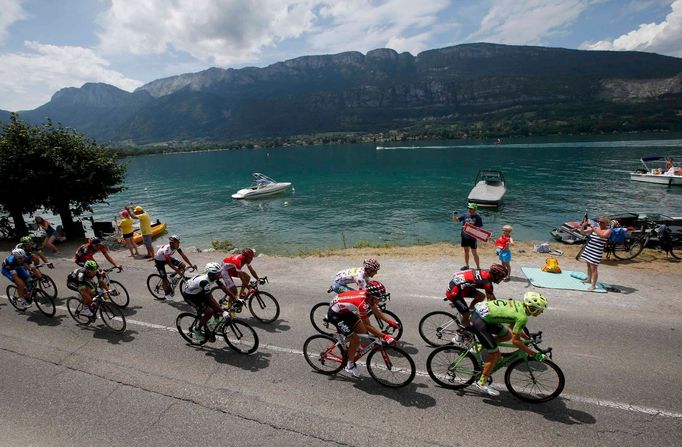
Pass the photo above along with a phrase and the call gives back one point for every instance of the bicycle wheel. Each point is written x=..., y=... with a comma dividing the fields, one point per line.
x=186, y=323
x=452, y=367
x=75, y=306
x=155, y=286
x=631, y=249
x=533, y=381
x=47, y=284
x=318, y=314
x=112, y=316
x=391, y=366
x=44, y=303
x=118, y=294
x=14, y=298
x=264, y=307
x=240, y=336
x=323, y=354
x=386, y=329
x=437, y=328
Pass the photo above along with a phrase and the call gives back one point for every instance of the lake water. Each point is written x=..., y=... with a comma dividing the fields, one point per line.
x=405, y=195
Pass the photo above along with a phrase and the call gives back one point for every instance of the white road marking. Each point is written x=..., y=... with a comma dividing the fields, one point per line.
x=586, y=400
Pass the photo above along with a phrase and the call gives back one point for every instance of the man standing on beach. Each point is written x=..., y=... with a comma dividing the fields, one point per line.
x=145, y=228
x=469, y=242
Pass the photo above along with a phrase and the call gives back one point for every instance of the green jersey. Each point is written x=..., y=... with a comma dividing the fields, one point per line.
x=503, y=312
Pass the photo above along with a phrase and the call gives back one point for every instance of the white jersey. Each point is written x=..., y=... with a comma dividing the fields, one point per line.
x=165, y=252
x=200, y=284
x=353, y=275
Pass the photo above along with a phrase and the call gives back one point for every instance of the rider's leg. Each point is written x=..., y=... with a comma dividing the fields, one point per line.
x=21, y=285
x=86, y=294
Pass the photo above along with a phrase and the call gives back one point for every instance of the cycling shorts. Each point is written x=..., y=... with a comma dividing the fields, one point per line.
x=485, y=332
x=161, y=265
x=457, y=295
x=344, y=322
x=199, y=300
x=19, y=270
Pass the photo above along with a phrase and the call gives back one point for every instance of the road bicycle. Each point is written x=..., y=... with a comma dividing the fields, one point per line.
x=530, y=380
x=439, y=327
x=632, y=245
x=262, y=305
x=110, y=314
x=238, y=335
x=318, y=317
x=45, y=282
x=155, y=283
x=34, y=294
x=388, y=365
x=118, y=294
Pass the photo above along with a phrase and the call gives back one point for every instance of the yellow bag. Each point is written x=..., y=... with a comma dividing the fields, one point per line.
x=551, y=266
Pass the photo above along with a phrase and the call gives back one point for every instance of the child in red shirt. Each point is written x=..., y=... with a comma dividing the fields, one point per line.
x=503, y=244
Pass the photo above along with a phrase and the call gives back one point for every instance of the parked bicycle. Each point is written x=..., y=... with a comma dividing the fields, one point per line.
x=238, y=335
x=388, y=365
x=155, y=283
x=669, y=242
x=110, y=314
x=318, y=318
x=439, y=327
x=262, y=305
x=527, y=379
x=632, y=244
x=34, y=294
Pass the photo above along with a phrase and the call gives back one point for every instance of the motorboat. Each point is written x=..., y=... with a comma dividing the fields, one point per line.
x=658, y=170
x=262, y=186
x=489, y=188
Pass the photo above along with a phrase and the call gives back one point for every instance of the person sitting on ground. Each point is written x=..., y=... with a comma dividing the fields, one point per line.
x=469, y=242
x=86, y=252
x=349, y=313
x=126, y=226
x=468, y=284
x=234, y=265
x=85, y=280
x=50, y=233
x=164, y=257
x=15, y=268
x=503, y=244
x=197, y=292
x=359, y=276
x=488, y=320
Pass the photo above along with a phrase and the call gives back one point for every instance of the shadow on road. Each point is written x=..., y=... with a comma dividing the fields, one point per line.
x=554, y=410
x=408, y=396
x=130, y=310
x=42, y=320
x=115, y=338
x=274, y=327
x=251, y=362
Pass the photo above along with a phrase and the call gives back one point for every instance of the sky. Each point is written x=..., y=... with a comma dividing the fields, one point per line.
x=46, y=45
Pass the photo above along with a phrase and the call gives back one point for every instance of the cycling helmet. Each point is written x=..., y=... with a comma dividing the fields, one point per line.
x=534, y=303
x=96, y=241
x=19, y=253
x=213, y=268
x=90, y=265
x=174, y=238
x=26, y=240
x=498, y=272
x=371, y=264
x=249, y=253
x=376, y=289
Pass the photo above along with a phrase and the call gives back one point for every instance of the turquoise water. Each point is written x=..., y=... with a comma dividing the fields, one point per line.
x=349, y=193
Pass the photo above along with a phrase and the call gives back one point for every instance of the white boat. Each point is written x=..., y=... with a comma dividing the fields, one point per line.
x=262, y=186
x=656, y=171
x=489, y=188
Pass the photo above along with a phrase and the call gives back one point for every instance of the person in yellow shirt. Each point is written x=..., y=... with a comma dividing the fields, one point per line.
x=126, y=226
x=145, y=228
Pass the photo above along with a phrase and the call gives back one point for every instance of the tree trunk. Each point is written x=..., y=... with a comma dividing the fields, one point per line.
x=74, y=230
x=19, y=222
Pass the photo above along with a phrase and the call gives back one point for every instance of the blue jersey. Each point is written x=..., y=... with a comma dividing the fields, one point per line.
x=11, y=263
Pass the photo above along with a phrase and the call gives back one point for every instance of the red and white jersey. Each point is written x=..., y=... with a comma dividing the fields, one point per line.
x=225, y=273
x=352, y=301
x=352, y=275
x=236, y=261
x=165, y=252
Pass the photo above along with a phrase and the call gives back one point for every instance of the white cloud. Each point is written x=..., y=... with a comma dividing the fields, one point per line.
x=28, y=79
x=527, y=23
x=11, y=12
x=664, y=37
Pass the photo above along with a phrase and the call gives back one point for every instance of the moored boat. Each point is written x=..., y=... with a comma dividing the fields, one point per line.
x=158, y=228
x=489, y=188
x=262, y=186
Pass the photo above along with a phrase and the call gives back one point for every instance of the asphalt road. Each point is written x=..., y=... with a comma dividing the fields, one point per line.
x=63, y=384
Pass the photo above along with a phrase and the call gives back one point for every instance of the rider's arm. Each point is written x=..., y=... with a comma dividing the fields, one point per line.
x=253, y=272
x=245, y=279
x=517, y=340
x=110, y=259
x=379, y=314
x=371, y=329
x=184, y=256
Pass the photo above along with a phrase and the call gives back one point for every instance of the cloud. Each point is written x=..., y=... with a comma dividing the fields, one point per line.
x=527, y=23
x=664, y=37
x=12, y=11
x=29, y=79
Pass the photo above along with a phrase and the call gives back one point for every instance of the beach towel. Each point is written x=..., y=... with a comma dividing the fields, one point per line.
x=564, y=280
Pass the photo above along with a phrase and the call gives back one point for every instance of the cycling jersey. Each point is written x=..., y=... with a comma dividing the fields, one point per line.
x=11, y=264
x=236, y=261
x=199, y=285
x=464, y=283
x=503, y=312
x=79, y=278
x=351, y=302
x=87, y=251
x=352, y=275
x=165, y=253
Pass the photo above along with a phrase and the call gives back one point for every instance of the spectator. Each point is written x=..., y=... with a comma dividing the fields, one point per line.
x=126, y=226
x=594, y=249
x=50, y=233
x=503, y=244
x=145, y=228
x=469, y=242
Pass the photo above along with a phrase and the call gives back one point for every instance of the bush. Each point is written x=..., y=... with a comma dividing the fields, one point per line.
x=225, y=245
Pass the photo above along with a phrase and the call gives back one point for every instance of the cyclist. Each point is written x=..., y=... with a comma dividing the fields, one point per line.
x=26, y=243
x=360, y=276
x=197, y=292
x=466, y=284
x=164, y=256
x=85, y=280
x=86, y=252
x=349, y=312
x=15, y=268
x=230, y=287
x=235, y=263
x=487, y=322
